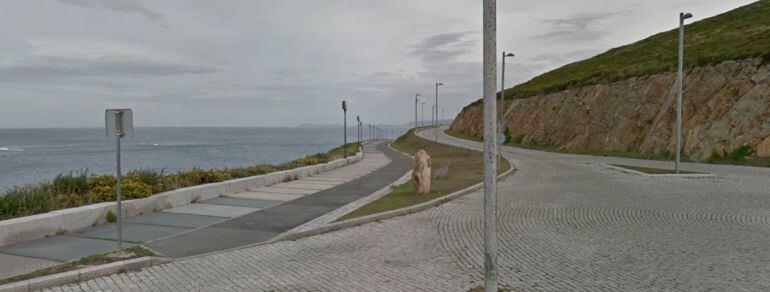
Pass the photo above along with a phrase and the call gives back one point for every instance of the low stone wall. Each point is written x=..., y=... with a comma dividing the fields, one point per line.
x=66, y=220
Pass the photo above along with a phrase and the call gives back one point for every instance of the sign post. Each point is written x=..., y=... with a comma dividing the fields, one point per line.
x=119, y=123
x=345, y=127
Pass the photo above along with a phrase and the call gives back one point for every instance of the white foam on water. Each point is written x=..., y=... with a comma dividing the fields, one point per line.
x=11, y=149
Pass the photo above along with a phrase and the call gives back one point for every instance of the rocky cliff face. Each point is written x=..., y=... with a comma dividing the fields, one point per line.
x=725, y=106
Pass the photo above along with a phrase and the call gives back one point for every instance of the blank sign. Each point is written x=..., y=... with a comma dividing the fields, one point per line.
x=125, y=125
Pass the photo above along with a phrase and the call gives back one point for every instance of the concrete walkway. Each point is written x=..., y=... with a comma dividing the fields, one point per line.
x=180, y=223
x=293, y=203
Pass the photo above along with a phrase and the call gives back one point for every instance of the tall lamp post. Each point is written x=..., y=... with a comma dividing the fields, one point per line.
x=422, y=114
x=489, y=24
x=358, y=120
x=433, y=115
x=416, y=100
x=436, y=112
x=500, y=103
x=502, y=90
x=345, y=128
x=679, y=81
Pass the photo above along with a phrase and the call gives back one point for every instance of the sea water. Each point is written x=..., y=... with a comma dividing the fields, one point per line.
x=36, y=155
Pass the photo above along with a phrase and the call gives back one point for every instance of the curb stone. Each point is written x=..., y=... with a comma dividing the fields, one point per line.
x=82, y=274
x=673, y=175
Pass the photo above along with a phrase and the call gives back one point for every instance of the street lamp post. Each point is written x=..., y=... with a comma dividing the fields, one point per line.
x=416, y=100
x=502, y=87
x=345, y=128
x=500, y=103
x=433, y=115
x=358, y=120
x=436, y=112
x=489, y=20
x=679, y=81
x=422, y=114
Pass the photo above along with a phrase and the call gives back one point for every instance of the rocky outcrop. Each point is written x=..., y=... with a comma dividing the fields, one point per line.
x=725, y=106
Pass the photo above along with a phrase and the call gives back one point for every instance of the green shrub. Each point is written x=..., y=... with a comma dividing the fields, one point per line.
x=507, y=134
x=740, y=153
x=71, y=183
x=78, y=188
x=111, y=217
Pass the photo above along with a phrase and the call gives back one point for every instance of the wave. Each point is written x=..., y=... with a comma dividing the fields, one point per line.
x=9, y=149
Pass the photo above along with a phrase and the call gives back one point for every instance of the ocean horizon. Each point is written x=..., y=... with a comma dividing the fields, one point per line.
x=33, y=155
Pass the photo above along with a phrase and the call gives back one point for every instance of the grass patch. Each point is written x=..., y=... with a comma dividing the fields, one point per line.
x=740, y=156
x=94, y=260
x=466, y=168
x=79, y=188
x=737, y=34
x=650, y=170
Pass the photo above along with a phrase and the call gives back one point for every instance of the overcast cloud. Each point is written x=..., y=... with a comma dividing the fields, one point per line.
x=282, y=63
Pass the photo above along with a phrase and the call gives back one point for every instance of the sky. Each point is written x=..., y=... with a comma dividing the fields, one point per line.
x=251, y=63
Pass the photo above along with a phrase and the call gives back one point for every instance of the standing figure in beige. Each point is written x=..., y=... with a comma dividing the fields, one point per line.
x=421, y=172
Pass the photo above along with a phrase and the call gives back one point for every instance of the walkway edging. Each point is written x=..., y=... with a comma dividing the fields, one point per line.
x=38, y=226
x=672, y=175
x=82, y=274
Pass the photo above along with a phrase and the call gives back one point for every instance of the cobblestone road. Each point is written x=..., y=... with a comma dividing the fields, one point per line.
x=566, y=223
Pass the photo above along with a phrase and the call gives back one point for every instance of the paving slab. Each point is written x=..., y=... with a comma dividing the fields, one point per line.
x=279, y=190
x=212, y=210
x=175, y=219
x=13, y=265
x=62, y=248
x=318, y=182
x=340, y=176
x=238, y=202
x=326, y=179
x=304, y=186
x=265, y=196
x=208, y=239
x=131, y=232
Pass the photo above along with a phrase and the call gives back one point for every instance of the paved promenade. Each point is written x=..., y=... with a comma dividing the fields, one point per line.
x=169, y=231
x=566, y=223
x=287, y=205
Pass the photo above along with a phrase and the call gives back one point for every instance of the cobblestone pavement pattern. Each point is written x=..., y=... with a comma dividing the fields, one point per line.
x=565, y=223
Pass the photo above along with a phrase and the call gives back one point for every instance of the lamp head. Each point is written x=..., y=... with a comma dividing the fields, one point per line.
x=509, y=55
x=439, y=83
x=683, y=16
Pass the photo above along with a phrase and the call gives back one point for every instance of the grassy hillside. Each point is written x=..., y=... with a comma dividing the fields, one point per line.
x=738, y=34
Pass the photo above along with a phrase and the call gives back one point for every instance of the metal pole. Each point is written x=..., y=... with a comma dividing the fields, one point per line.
x=490, y=145
x=118, y=176
x=416, y=99
x=435, y=122
x=345, y=127
x=499, y=103
x=679, y=94
x=502, y=94
x=422, y=114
